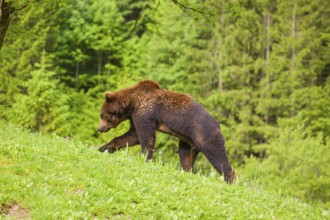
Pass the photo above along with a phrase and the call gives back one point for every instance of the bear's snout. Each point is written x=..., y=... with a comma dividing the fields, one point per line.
x=102, y=129
x=103, y=126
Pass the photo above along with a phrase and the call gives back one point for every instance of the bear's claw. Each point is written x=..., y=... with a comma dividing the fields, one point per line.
x=104, y=148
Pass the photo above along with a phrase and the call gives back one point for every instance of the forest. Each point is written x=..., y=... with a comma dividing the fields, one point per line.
x=261, y=68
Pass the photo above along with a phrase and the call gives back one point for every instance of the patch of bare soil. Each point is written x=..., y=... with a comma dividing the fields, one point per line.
x=14, y=211
x=79, y=192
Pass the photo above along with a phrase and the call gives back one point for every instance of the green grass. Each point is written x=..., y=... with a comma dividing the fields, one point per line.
x=55, y=178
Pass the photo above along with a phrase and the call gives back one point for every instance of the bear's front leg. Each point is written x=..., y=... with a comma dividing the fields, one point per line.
x=146, y=131
x=130, y=138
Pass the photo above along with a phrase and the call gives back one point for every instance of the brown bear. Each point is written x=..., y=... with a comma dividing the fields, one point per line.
x=151, y=108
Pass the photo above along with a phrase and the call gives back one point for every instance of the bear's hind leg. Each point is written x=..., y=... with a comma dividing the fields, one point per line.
x=215, y=152
x=219, y=161
x=187, y=156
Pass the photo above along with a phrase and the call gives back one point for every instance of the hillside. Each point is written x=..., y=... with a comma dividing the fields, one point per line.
x=48, y=177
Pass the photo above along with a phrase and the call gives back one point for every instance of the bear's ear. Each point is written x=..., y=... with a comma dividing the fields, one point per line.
x=109, y=96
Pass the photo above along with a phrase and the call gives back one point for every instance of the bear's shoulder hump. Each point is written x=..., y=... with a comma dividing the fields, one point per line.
x=149, y=84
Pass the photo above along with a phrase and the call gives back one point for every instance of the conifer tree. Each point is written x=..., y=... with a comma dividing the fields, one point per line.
x=44, y=106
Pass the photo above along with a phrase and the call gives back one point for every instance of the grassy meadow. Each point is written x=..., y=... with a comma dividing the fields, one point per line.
x=49, y=177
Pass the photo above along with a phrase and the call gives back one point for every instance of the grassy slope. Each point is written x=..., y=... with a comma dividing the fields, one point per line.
x=55, y=178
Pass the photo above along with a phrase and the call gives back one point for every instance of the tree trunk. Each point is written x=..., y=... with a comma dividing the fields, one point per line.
x=99, y=62
x=5, y=11
x=293, y=55
x=293, y=32
x=267, y=54
x=77, y=73
x=0, y=10
x=267, y=38
x=221, y=24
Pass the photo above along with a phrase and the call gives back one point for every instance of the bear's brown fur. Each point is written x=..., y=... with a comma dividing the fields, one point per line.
x=150, y=108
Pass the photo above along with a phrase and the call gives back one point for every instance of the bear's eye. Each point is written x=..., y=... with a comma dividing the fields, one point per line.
x=113, y=113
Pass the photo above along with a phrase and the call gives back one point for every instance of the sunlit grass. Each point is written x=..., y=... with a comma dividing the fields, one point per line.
x=55, y=178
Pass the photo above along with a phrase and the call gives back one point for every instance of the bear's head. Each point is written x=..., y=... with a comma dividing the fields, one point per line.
x=113, y=111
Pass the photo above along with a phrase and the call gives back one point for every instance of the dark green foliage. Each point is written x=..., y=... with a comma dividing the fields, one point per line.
x=260, y=67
